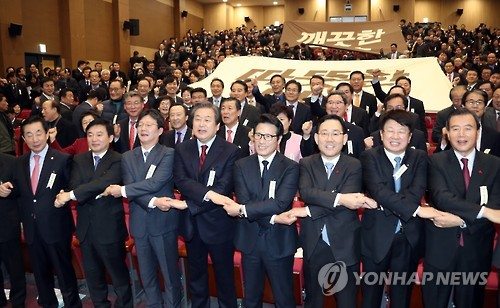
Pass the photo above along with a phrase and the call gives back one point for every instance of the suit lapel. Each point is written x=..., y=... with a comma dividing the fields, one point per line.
x=254, y=173
x=476, y=177
x=387, y=167
x=455, y=172
x=46, y=171
x=213, y=154
x=26, y=166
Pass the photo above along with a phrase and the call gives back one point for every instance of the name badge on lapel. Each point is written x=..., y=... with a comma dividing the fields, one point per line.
x=487, y=151
x=349, y=147
x=151, y=171
x=483, y=192
x=400, y=172
x=272, y=189
x=245, y=123
x=211, y=178
x=52, y=179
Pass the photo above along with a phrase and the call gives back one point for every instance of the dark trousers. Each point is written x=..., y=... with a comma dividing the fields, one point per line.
x=99, y=259
x=322, y=255
x=400, y=259
x=279, y=271
x=160, y=252
x=222, y=259
x=472, y=295
x=11, y=257
x=47, y=260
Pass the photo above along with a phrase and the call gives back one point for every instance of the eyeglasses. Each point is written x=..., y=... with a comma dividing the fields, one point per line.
x=334, y=133
x=146, y=125
x=472, y=102
x=266, y=137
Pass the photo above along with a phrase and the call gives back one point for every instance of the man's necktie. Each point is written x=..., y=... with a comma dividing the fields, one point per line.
x=397, y=185
x=146, y=155
x=179, y=136
x=324, y=233
x=465, y=172
x=264, y=172
x=131, y=136
x=229, y=136
x=203, y=156
x=356, y=99
x=293, y=109
x=96, y=161
x=345, y=116
x=466, y=175
x=36, y=173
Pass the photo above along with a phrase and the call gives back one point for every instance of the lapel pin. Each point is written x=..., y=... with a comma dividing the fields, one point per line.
x=52, y=157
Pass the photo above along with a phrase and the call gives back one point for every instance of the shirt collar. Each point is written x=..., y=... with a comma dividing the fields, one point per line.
x=101, y=155
x=269, y=159
x=42, y=153
x=209, y=143
x=392, y=156
x=334, y=160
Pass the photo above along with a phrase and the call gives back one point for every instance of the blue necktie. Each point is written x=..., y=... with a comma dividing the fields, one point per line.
x=96, y=161
x=324, y=233
x=146, y=155
x=397, y=186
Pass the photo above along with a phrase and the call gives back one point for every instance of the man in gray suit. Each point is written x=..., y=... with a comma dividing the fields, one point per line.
x=148, y=184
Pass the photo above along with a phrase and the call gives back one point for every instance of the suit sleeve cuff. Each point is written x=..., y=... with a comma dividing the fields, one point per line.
x=308, y=211
x=151, y=203
x=244, y=210
x=72, y=195
x=416, y=212
x=337, y=200
x=480, y=214
x=271, y=221
x=123, y=191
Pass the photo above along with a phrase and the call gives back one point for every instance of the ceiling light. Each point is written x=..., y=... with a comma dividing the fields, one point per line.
x=239, y=4
x=275, y=2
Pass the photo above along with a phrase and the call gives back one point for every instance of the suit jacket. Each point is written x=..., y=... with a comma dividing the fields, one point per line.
x=10, y=227
x=379, y=225
x=122, y=144
x=66, y=112
x=302, y=115
x=140, y=190
x=168, y=138
x=213, y=223
x=85, y=89
x=316, y=107
x=368, y=103
x=77, y=114
x=110, y=110
x=318, y=193
x=240, y=139
x=267, y=100
x=490, y=118
x=359, y=117
x=417, y=140
x=280, y=240
x=159, y=59
x=102, y=220
x=221, y=99
x=447, y=190
x=38, y=210
x=250, y=115
x=389, y=55
x=441, y=118
x=66, y=132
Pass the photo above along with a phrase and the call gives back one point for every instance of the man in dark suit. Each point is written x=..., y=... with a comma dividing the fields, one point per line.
x=355, y=115
x=394, y=54
x=249, y=114
x=277, y=85
x=317, y=84
x=203, y=174
x=7, y=143
x=216, y=87
x=94, y=83
x=67, y=133
x=336, y=103
x=456, y=94
x=301, y=112
x=42, y=173
x=178, y=116
x=149, y=185
x=232, y=130
x=77, y=72
x=67, y=103
x=265, y=185
x=113, y=109
x=100, y=225
x=127, y=139
x=94, y=98
x=466, y=183
x=412, y=104
x=362, y=99
x=330, y=185
x=395, y=176
x=10, y=233
x=160, y=57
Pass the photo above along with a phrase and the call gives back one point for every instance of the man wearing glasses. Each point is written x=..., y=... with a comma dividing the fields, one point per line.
x=265, y=185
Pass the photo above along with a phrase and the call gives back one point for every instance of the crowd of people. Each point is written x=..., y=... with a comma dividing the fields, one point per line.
x=95, y=136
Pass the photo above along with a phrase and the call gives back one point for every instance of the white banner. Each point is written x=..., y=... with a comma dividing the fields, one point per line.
x=429, y=83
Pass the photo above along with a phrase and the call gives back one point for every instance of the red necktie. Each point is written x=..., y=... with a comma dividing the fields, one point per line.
x=203, y=156
x=35, y=174
x=345, y=116
x=131, y=136
x=229, y=137
x=466, y=175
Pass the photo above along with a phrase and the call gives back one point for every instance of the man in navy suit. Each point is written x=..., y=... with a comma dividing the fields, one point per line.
x=395, y=176
x=180, y=132
x=277, y=85
x=466, y=183
x=265, y=185
x=42, y=173
x=100, y=225
x=330, y=185
x=203, y=170
x=362, y=99
x=301, y=112
x=354, y=115
x=148, y=184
